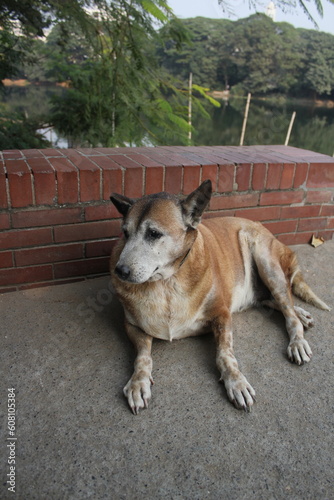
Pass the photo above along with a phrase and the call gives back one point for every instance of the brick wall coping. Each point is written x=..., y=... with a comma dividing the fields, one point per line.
x=57, y=224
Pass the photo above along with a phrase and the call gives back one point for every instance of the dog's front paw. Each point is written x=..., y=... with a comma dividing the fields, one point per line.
x=138, y=392
x=240, y=392
x=299, y=351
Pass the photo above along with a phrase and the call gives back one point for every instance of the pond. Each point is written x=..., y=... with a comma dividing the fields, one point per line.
x=268, y=120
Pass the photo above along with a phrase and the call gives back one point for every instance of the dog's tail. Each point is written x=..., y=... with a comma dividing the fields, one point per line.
x=304, y=292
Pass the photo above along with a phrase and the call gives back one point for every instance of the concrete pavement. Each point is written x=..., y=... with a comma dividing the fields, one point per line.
x=66, y=355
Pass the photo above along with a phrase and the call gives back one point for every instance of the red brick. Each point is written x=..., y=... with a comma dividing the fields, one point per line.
x=225, y=178
x=32, y=153
x=20, y=183
x=3, y=189
x=44, y=181
x=260, y=213
x=259, y=176
x=321, y=175
x=184, y=159
x=145, y=161
x=159, y=158
x=327, y=235
x=125, y=162
x=50, y=283
x=48, y=254
x=242, y=176
x=173, y=179
x=330, y=223
x=12, y=154
x=319, y=196
x=106, y=211
x=67, y=180
x=287, y=176
x=234, y=201
x=223, y=213
x=47, y=152
x=89, y=152
x=301, y=174
x=106, y=162
x=90, y=177
x=154, y=180
x=7, y=290
x=312, y=224
x=173, y=159
x=112, y=182
x=4, y=221
x=289, y=226
x=100, y=248
x=133, y=182
x=82, y=268
x=25, y=238
x=295, y=239
x=6, y=259
x=191, y=178
x=87, y=231
x=327, y=210
x=34, y=218
x=210, y=172
x=281, y=197
x=25, y=275
x=274, y=176
x=112, y=176
x=299, y=212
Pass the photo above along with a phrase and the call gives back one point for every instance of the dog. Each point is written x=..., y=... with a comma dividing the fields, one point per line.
x=177, y=277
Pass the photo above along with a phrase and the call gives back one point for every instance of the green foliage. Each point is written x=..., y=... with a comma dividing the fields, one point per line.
x=18, y=132
x=117, y=92
x=252, y=55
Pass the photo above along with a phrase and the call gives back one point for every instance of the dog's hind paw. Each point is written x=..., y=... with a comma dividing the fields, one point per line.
x=299, y=351
x=138, y=393
x=305, y=317
x=240, y=393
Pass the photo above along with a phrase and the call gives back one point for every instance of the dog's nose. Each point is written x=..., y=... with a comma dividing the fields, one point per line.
x=123, y=272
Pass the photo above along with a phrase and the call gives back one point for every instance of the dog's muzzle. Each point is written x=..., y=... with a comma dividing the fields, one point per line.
x=123, y=272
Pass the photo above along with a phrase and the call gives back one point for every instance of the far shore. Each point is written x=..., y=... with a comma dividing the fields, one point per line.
x=224, y=95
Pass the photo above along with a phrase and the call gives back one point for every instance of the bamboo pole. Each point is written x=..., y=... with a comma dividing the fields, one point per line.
x=290, y=128
x=190, y=106
x=245, y=119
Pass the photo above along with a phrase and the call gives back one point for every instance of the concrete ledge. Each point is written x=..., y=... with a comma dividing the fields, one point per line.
x=57, y=224
x=65, y=352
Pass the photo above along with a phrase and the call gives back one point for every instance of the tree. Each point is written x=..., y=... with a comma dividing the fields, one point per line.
x=18, y=132
x=318, y=70
x=284, y=4
x=254, y=55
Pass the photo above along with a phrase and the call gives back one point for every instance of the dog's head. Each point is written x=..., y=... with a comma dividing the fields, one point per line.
x=159, y=231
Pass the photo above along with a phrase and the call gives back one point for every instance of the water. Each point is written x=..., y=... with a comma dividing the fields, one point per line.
x=268, y=123
x=268, y=120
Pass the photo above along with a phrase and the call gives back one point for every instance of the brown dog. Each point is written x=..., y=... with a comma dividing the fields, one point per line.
x=176, y=278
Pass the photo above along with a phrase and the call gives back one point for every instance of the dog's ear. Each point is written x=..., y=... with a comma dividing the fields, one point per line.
x=195, y=204
x=122, y=203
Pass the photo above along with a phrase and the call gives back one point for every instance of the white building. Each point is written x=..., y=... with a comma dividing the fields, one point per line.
x=271, y=10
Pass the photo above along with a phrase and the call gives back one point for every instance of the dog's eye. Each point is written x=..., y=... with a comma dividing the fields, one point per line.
x=153, y=234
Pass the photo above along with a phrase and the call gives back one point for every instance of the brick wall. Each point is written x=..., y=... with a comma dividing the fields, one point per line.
x=57, y=224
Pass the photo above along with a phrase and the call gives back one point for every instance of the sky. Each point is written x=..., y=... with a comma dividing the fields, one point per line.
x=296, y=17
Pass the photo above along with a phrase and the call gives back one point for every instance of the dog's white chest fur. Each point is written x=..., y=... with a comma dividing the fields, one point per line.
x=165, y=313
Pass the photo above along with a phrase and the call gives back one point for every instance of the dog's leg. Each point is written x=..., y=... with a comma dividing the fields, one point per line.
x=304, y=316
x=138, y=389
x=274, y=278
x=239, y=391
